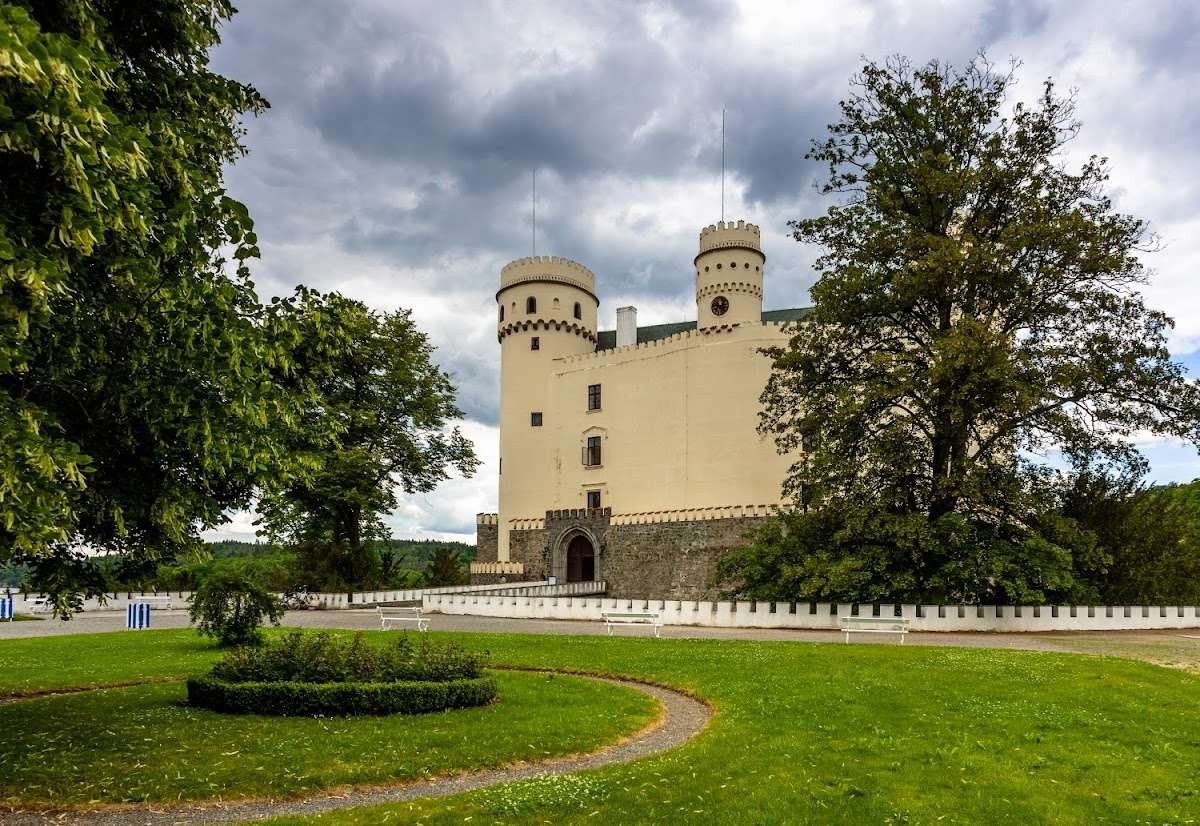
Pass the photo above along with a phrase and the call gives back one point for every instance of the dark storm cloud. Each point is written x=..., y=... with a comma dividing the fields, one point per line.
x=402, y=136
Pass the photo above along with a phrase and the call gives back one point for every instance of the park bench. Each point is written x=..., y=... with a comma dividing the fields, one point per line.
x=38, y=605
x=613, y=618
x=398, y=614
x=875, y=625
x=163, y=601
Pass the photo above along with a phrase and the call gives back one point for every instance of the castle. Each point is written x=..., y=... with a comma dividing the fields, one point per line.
x=632, y=456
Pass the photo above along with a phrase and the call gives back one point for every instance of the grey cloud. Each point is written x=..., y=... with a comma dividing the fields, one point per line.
x=401, y=136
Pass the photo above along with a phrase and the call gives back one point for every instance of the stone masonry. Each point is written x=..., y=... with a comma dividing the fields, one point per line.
x=664, y=559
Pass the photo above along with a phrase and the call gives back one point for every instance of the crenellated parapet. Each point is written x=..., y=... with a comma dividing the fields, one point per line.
x=487, y=519
x=726, y=234
x=552, y=268
x=697, y=514
x=523, y=324
x=723, y=287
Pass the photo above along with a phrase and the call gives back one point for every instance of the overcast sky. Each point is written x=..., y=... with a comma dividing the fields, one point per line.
x=394, y=164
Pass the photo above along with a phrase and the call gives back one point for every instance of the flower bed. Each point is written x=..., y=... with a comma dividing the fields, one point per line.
x=318, y=674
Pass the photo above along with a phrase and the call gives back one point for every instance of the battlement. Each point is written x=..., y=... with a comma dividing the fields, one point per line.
x=724, y=234
x=696, y=514
x=658, y=345
x=548, y=268
x=487, y=518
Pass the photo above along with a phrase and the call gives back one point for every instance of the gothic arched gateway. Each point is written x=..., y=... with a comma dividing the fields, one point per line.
x=581, y=559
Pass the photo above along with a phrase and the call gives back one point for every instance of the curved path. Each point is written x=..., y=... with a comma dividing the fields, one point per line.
x=682, y=718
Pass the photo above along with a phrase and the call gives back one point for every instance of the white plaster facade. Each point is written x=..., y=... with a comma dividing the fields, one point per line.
x=678, y=408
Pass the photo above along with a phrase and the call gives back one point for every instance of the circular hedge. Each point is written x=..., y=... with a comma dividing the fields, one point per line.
x=339, y=698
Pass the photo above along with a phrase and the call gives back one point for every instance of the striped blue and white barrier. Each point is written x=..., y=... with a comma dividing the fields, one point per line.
x=137, y=615
x=6, y=608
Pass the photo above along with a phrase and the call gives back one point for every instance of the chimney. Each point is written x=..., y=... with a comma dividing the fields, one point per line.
x=626, y=326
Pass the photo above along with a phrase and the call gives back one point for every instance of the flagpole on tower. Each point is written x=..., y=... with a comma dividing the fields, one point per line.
x=534, y=213
x=722, y=163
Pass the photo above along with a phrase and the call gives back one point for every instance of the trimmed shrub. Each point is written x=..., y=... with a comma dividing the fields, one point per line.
x=328, y=699
x=325, y=658
x=320, y=674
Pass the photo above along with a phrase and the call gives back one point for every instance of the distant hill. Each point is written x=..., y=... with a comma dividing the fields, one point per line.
x=416, y=552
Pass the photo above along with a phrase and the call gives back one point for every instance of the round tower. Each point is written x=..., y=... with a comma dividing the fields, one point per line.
x=729, y=274
x=546, y=309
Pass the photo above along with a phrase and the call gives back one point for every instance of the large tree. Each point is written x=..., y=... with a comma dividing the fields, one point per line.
x=977, y=308
x=142, y=390
x=390, y=407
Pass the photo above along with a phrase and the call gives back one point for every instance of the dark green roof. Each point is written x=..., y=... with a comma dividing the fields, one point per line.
x=607, y=339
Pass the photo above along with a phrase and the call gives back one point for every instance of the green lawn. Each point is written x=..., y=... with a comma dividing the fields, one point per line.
x=145, y=743
x=817, y=733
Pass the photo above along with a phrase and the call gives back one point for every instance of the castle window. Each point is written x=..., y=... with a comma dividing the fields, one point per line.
x=531, y=305
x=578, y=310
x=535, y=419
x=535, y=343
x=747, y=265
x=718, y=266
x=501, y=312
x=593, y=499
x=591, y=453
x=593, y=397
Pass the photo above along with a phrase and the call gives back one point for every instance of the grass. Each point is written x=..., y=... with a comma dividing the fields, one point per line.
x=867, y=734
x=144, y=743
x=822, y=733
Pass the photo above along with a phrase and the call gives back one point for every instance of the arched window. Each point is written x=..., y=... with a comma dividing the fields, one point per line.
x=578, y=310
x=501, y=312
x=531, y=305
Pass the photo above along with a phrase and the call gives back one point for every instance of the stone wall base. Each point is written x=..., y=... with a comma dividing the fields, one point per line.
x=664, y=560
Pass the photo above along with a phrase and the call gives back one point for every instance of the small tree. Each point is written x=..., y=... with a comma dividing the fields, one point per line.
x=230, y=606
x=379, y=424
x=444, y=568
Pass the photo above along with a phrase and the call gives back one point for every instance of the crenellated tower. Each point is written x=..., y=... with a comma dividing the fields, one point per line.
x=546, y=309
x=729, y=274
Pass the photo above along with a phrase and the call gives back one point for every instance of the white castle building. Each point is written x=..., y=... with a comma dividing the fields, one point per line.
x=632, y=455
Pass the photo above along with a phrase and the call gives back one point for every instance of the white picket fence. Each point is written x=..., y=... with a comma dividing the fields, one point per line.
x=823, y=615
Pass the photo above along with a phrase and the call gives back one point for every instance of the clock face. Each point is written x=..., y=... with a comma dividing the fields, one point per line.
x=720, y=305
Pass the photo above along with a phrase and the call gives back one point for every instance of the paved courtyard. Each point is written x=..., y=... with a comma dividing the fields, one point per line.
x=1179, y=649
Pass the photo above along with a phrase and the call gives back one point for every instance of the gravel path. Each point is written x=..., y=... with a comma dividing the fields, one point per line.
x=682, y=718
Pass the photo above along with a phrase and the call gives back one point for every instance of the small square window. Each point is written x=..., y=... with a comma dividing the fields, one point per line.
x=593, y=397
x=535, y=343
x=593, y=499
x=535, y=419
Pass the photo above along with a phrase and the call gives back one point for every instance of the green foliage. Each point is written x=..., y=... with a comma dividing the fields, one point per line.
x=230, y=605
x=325, y=658
x=977, y=306
x=1149, y=538
x=390, y=407
x=445, y=568
x=144, y=390
x=859, y=555
x=324, y=699
x=307, y=674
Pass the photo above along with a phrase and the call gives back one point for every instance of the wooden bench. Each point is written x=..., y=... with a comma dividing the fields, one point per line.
x=398, y=614
x=157, y=601
x=38, y=605
x=875, y=625
x=612, y=618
